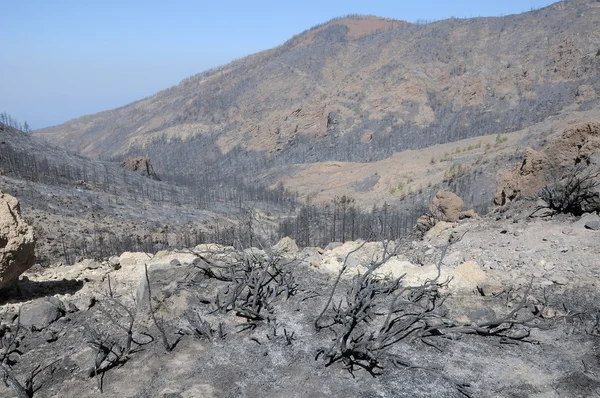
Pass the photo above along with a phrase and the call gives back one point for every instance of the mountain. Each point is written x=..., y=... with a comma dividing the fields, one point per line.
x=358, y=89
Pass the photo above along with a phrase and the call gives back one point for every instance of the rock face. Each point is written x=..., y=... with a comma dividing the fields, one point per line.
x=141, y=165
x=578, y=145
x=17, y=242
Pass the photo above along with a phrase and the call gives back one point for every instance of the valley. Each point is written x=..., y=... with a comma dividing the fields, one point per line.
x=374, y=208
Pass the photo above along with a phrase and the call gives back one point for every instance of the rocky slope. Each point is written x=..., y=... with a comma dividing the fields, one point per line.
x=80, y=207
x=359, y=89
x=368, y=108
x=544, y=268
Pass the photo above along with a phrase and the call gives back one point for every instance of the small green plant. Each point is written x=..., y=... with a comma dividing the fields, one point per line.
x=447, y=157
x=456, y=170
x=500, y=139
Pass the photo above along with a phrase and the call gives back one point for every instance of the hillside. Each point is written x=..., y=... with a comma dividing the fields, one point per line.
x=81, y=207
x=513, y=313
x=358, y=89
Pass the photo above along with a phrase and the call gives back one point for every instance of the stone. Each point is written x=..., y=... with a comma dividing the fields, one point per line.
x=471, y=273
x=312, y=257
x=439, y=228
x=286, y=246
x=333, y=245
x=560, y=280
x=114, y=262
x=593, y=225
x=254, y=253
x=445, y=206
x=174, y=263
x=41, y=313
x=128, y=259
x=469, y=214
x=490, y=287
x=450, y=204
x=585, y=219
x=90, y=264
x=164, y=282
x=17, y=242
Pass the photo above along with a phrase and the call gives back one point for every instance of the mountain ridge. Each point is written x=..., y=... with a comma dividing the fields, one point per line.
x=334, y=99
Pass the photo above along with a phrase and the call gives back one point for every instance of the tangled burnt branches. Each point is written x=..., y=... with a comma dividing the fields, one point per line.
x=573, y=191
x=253, y=284
x=378, y=312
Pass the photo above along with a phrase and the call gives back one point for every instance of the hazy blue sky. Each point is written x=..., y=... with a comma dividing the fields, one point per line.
x=62, y=59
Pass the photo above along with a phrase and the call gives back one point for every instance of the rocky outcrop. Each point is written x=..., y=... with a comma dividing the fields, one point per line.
x=17, y=242
x=141, y=165
x=449, y=204
x=446, y=206
x=578, y=145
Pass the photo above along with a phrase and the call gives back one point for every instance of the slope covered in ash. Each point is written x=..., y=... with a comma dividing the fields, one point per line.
x=359, y=89
x=82, y=207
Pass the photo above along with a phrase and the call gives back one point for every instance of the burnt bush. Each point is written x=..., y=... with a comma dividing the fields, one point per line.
x=573, y=191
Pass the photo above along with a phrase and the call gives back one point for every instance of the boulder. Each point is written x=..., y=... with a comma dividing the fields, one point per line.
x=286, y=246
x=593, y=225
x=130, y=259
x=449, y=204
x=332, y=245
x=255, y=253
x=114, y=262
x=312, y=257
x=17, y=242
x=141, y=165
x=441, y=230
x=446, y=206
x=41, y=313
x=489, y=287
x=588, y=218
x=469, y=276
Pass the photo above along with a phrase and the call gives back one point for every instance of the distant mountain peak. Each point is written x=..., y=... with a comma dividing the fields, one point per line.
x=347, y=28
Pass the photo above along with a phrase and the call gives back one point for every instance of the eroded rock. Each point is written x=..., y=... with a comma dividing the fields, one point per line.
x=578, y=145
x=17, y=242
x=141, y=165
x=445, y=207
x=286, y=246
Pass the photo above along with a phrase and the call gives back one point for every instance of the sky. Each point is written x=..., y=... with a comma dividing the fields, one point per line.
x=62, y=59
